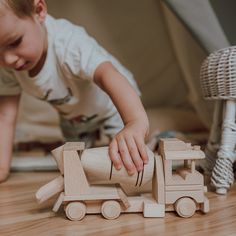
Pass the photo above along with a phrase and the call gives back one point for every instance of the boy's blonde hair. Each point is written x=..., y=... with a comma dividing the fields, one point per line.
x=21, y=8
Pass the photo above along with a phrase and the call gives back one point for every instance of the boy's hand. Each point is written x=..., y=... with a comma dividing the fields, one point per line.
x=3, y=174
x=128, y=148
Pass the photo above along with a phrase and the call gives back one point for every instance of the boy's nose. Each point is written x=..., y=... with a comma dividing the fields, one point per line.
x=10, y=59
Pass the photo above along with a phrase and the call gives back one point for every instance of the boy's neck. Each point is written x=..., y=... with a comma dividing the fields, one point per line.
x=33, y=72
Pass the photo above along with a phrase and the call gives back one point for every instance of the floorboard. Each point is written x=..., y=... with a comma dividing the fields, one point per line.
x=21, y=215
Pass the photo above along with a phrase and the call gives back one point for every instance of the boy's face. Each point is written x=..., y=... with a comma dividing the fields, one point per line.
x=23, y=41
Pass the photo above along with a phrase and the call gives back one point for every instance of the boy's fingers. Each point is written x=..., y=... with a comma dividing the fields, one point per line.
x=114, y=154
x=3, y=175
x=125, y=156
x=142, y=149
x=134, y=153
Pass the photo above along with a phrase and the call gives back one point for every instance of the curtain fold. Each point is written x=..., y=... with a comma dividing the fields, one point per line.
x=195, y=32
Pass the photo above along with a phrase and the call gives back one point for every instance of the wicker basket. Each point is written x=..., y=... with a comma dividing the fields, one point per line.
x=218, y=74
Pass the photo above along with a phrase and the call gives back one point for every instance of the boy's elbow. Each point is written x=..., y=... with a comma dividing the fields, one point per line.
x=103, y=72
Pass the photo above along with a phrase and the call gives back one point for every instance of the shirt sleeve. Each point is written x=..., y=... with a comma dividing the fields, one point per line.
x=8, y=83
x=84, y=55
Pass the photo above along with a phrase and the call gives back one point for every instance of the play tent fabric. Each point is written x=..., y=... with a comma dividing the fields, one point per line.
x=196, y=31
x=201, y=19
x=151, y=39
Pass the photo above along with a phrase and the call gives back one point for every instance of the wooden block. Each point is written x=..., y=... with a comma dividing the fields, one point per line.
x=75, y=179
x=154, y=210
x=172, y=196
x=123, y=197
x=168, y=170
x=50, y=189
x=205, y=207
x=158, y=183
x=57, y=153
x=184, y=187
x=173, y=144
x=182, y=155
x=151, y=208
x=74, y=146
x=58, y=202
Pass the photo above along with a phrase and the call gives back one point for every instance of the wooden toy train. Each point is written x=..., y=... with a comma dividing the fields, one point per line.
x=89, y=184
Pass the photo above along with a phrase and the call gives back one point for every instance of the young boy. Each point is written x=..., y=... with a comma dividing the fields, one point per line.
x=58, y=62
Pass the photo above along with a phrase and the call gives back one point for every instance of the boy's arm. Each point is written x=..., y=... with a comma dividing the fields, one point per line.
x=128, y=146
x=8, y=114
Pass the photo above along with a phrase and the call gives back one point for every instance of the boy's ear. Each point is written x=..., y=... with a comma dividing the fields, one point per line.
x=40, y=9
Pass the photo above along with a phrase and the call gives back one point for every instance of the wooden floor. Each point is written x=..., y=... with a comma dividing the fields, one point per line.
x=20, y=215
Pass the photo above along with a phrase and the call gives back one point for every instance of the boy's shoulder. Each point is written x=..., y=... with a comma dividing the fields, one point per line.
x=62, y=28
x=63, y=34
x=68, y=41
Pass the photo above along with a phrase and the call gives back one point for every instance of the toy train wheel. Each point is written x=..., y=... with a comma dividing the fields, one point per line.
x=185, y=207
x=75, y=210
x=111, y=210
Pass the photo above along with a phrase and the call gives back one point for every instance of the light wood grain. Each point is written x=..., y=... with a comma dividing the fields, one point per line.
x=21, y=215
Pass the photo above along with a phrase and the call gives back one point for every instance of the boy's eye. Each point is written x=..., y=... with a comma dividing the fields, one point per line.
x=15, y=43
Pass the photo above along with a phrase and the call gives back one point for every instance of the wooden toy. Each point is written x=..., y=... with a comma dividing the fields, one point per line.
x=89, y=184
x=219, y=84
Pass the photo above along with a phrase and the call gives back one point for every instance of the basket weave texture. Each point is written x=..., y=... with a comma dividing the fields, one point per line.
x=218, y=74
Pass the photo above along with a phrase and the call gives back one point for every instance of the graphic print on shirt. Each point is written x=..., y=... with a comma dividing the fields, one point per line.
x=65, y=100
x=84, y=119
x=59, y=101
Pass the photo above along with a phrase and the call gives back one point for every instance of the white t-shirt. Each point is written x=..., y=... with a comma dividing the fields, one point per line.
x=66, y=79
